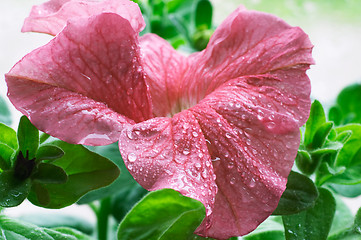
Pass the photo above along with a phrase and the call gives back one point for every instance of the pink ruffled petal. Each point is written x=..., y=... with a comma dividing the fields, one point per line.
x=70, y=116
x=52, y=16
x=170, y=153
x=252, y=148
x=95, y=58
x=164, y=67
x=251, y=43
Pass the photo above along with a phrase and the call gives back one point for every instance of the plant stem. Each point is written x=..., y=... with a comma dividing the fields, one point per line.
x=102, y=218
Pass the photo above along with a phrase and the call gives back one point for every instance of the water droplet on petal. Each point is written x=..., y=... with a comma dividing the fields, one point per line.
x=185, y=151
x=228, y=135
x=238, y=105
x=232, y=181
x=252, y=183
x=195, y=134
x=130, y=134
x=270, y=125
x=215, y=159
x=132, y=157
x=198, y=166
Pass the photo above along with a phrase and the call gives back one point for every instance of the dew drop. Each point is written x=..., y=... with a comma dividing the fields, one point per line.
x=270, y=125
x=228, y=135
x=185, y=151
x=195, y=134
x=238, y=105
x=198, y=166
x=204, y=174
x=232, y=181
x=230, y=165
x=248, y=141
x=130, y=134
x=132, y=157
x=252, y=183
x=215, y=159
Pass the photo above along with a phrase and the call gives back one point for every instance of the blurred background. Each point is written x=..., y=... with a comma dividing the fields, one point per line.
x=334, y=27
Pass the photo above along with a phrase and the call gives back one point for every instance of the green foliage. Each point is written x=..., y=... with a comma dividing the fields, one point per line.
x=59, y=220
x=12, y=229
x=12, y=190
x=28, y=137
x=5, y=115
x=348, y=106
x=300, y=194
x=314, y=223
x=163, y=214
x=123, y=182
x=85, y=171
x=272, y=228
x=8, y=146
x=185, y=23
x=51, y=174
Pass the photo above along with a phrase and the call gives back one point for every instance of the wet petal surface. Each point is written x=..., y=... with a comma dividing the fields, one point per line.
x=252, y=43
x=96, y=58
x=252, y=149
x=164, y=69
x=52, y=16
x=170, y=153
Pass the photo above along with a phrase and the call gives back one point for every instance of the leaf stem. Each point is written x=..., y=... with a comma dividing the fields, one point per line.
x=103, y=218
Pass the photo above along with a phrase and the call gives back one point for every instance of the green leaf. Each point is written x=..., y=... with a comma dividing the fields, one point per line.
x=357, y=223
x=70, y=232
x=350, y=191
x=314, y=223
x=14, y=230
x=6, y=156
x=125, y=199
x=12, y=191
x=163, y=214
x=28, y=137
x=350, y=232
x=203, y=14
x=300, y=194
x=48, y=152
x=49, y=174
x=86, y=171
x=124, y=180
x=321, y=134
x=8, y=136
x=5, y=115
x=350, y=154
x=343, y=218
x=316, y=119
x=349, y=104
x=51, y=220
x=272, y=228
x=335, y=115
x=305, y=162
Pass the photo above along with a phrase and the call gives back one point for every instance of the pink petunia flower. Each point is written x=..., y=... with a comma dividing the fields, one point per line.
x=220, y=126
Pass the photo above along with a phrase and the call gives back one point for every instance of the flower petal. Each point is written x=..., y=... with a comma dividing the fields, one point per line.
x=170, y=153
x=95, y=58
x=164, y=67
x=252, y=43
x=51, y=17
x=253, y=149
